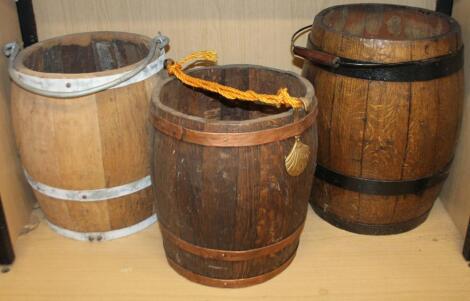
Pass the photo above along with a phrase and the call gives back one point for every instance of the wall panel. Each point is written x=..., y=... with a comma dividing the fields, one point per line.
x=456, y=193
x=241, y=31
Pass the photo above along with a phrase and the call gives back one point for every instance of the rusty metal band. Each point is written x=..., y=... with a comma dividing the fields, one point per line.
x=381, y=187
x=228, y=255
x=234, y=139
x=229, y=283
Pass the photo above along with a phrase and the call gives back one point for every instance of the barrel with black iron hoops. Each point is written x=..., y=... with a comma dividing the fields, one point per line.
x=389, y=83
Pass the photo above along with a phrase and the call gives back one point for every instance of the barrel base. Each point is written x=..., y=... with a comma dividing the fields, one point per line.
x=370, y=229
x=228, y=283
x=108, y=235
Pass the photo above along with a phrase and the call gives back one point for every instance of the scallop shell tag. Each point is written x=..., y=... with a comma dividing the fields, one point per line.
x=297, y=159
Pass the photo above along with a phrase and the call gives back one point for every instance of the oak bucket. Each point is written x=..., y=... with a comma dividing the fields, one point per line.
x=229, y=212
x=79, y=107
x=389, y=83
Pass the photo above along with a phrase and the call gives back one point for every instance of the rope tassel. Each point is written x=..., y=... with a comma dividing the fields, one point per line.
x=281, y=98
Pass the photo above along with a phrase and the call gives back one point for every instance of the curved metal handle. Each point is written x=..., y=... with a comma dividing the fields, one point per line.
x=11, y=50
x=316, y=56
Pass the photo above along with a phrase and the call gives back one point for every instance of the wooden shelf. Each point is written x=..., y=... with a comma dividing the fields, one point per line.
x=331, y=264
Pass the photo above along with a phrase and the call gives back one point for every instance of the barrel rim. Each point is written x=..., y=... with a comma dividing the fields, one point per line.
x=454, y=26
x=21, y=68
x=158, y=105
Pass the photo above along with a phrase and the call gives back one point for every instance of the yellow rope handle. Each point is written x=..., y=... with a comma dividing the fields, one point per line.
x=176, y=69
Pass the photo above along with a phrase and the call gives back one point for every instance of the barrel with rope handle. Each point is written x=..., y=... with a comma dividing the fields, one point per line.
x=232, y=174
x=79, y=109
x=389, y=82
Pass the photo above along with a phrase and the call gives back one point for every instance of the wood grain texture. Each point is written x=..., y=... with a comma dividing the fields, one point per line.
x=424, y=264
x=456, y=190
x=384, y=145
x=245, y=32
x=91, y=142
x=230, y=198
x=16, y=195
x=383, y=130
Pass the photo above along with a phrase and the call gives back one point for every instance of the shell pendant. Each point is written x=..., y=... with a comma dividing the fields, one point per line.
x=297, y=159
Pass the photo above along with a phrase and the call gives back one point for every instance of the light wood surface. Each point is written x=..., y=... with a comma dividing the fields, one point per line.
x=241, y=31
x=16, y=195
x=96, y=141
x=331, y=264
x=456, y=192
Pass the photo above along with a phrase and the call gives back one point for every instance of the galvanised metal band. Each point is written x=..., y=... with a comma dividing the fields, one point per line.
x=422, y=70
x=380, y=187
x=89, y=195
x=107, y=235
x=68, y=85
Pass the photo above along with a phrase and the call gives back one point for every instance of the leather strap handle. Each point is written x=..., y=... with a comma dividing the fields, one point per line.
x=313, y=55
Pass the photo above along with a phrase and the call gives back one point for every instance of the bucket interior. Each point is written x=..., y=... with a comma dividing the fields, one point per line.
x=386, y=21
x=85, y=54
x=211, y=106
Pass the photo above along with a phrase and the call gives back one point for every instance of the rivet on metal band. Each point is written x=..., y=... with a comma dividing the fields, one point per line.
x=89, y=195
x=107, y=235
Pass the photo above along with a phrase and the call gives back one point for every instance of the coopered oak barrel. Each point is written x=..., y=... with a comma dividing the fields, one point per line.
x=87, y=158
x=229, y=212
x=389, y=83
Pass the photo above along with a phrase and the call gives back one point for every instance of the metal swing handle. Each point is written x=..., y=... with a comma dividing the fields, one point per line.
x=316, y=56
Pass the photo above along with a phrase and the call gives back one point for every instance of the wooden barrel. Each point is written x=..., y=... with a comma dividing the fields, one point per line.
x=229, y=212
x=87, y=158
x=389, y=82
